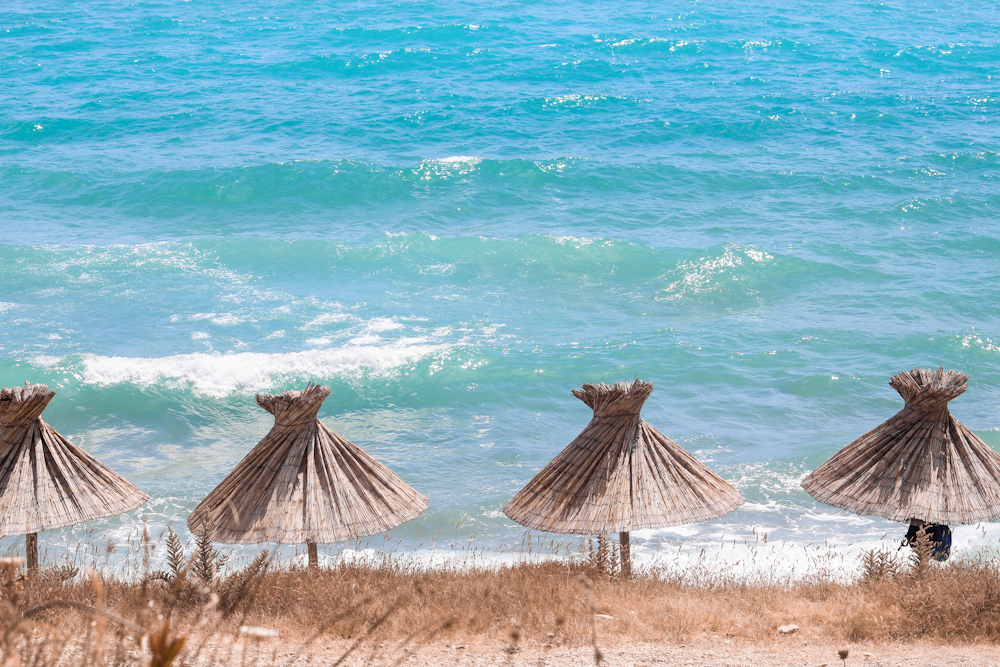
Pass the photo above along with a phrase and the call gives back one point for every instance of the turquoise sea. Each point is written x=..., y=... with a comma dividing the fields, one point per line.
x=453, y=213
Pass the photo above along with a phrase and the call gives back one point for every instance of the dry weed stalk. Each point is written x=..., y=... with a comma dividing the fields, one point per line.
x=163, y=647
x=588, y=586
x=879, y=565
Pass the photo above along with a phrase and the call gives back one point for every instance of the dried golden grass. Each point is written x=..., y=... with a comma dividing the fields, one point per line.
x=541, y=601
x=391, y=607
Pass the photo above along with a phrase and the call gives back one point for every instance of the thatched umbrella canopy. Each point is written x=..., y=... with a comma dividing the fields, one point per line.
x=47, y=482
x=303, y=483
x=620, y=475
x=921, y=464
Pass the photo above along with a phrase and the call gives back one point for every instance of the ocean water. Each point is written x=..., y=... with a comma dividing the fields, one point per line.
x=454, y=213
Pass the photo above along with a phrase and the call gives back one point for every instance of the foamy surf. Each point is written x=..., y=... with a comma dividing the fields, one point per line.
x=218, y=375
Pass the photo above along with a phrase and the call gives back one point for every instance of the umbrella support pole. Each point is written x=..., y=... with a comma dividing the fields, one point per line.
x=313, y=555
x=626, y=555
x=31, y=551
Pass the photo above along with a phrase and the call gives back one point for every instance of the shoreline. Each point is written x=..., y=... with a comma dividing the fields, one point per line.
x=729, y=560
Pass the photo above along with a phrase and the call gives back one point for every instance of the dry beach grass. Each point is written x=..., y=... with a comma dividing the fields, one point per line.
x=389, y=610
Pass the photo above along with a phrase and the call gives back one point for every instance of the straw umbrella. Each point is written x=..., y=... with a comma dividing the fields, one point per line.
x=46, y=482
x=304, y=484
x=620, y=474
x=921, y=464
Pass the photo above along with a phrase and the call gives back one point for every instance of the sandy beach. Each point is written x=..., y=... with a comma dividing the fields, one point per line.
x=706, y=653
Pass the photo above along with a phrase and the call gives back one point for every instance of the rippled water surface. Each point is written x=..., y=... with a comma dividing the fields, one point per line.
x=453, y=214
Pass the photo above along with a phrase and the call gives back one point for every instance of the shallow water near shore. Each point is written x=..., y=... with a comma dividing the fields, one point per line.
x=454, y=215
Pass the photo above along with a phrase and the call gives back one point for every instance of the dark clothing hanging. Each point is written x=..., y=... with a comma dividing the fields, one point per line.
x=940, y=538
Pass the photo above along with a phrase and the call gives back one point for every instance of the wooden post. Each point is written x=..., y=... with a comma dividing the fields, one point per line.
x=626, y=555
x=31, y=551
x=313, y=555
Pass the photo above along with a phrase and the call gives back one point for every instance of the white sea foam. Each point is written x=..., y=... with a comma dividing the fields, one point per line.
x=576, y=99
x=382, y=324
x=214, y=318
x=709, y=274
x=459, y=159
x=47, y=360
x=365, y=340
x=405, y=235
x=439, y=269
x=982, y=342
x=578, y=241
x=218, y=375
x=326, y=318
x=446, y=167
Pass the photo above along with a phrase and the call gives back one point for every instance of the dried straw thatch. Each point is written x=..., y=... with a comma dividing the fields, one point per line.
x=47, y=482
x=921, y=464
x=620, y=474
x=304, y=484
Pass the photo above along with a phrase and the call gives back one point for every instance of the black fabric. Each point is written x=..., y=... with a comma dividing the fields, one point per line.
x=940, y=538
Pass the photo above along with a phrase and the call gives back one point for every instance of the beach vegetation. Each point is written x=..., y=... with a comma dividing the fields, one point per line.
x=202, y=609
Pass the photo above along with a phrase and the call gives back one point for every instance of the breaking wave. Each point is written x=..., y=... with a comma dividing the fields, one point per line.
x=220, y=374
